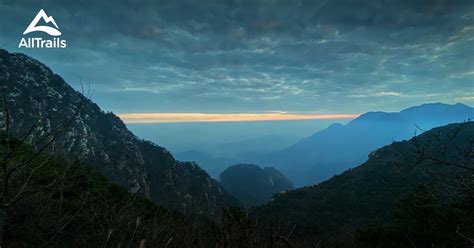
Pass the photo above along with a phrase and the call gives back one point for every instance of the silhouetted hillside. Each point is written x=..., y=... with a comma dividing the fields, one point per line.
x=340, y=147
x=47, y=201
x=370, y=192
x=252, y=184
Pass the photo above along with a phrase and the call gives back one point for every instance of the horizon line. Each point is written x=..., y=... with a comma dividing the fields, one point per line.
x=150, y=118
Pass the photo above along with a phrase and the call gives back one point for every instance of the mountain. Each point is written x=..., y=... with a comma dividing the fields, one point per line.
x=42, y=106
x=89, y=211
x=340, y=147
x=218, y=157
x=370, y=192
x=183, y=185
x=252, y=184
x=49, y=201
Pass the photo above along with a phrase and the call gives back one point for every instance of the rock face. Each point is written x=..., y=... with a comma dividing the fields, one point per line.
x=252, y=184
x=41, y=103
x=183, y=186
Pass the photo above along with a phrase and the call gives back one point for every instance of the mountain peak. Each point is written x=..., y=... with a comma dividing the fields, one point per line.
x=102, y=140
x=252, y=184
x=426, y=109
x=387, y=176
x=336, y=148
x=437, y=106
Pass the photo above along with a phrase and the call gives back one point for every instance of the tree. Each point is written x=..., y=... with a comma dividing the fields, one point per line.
x=438, y=214
x=19, y=169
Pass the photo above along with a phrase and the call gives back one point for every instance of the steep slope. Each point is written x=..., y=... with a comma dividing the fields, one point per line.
x=183, y=185
x=340, y=147
x=53, y=202
x=39, y=99
x=252, y=184
x=41, y=102
x=72, y=205
x=370, y=192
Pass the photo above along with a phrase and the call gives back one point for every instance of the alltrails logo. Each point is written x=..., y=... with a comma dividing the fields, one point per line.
x=38, y=42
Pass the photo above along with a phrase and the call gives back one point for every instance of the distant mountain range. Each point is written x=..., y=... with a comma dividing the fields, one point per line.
x=213, y=165
x=251, y=147
x=369, y=193
x=41, y=103
x=340, y=147
x=230, y=153
x=253, y=185
x=87, y=208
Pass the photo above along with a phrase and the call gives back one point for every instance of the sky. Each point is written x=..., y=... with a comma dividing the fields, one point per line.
x=147, y=118
x=257, y=57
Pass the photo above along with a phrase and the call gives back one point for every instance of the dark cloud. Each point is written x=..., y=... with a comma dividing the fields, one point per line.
x=215, y=55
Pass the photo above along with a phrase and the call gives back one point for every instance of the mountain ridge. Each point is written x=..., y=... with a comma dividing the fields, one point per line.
x=42, y=101
x=252, y=184
x=334, y=149
x=369, y=192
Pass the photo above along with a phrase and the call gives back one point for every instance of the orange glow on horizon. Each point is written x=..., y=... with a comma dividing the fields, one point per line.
x=144, y=118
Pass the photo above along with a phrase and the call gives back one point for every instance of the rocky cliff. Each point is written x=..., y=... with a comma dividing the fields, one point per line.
x=41, y=105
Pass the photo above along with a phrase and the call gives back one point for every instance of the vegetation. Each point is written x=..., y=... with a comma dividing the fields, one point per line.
x=41, y=106
x=440, y=160
x=416, y=193
x=253, y=185
x=422, y=220
x=53, y=202
x=69, y=204
x=438, y=215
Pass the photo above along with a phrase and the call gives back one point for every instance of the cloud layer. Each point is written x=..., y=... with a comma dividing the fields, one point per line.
x=237, y=117
x=338, y=56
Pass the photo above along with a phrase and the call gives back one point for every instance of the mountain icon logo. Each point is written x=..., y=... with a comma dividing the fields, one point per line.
x=47, y=29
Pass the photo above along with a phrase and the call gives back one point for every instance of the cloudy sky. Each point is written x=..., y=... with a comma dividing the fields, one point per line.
x=257, y=56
